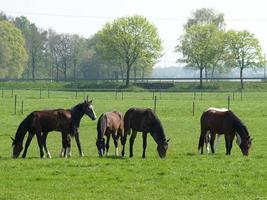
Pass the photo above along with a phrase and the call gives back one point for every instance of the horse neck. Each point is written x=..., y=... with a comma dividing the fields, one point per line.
x=101, y=125
x=158, y=132
x=77, y=113
x=22, y=130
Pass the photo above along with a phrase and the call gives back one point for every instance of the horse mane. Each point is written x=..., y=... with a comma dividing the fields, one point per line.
x=239, y=126
x=158, y=126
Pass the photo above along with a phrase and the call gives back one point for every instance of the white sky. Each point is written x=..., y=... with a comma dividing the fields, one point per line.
x=86, y=17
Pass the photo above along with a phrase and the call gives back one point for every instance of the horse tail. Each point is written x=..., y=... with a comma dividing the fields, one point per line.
x=127, y=123
x=203, y=127
x=23, y=128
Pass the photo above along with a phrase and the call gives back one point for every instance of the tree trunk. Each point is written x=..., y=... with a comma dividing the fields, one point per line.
x=241, y=78
x=135, y=74
x=200, y=78
x=128, y=75
x=206, y=74
x=33, y=67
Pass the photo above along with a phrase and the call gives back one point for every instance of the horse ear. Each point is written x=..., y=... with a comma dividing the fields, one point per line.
x=12, y=139
x=168, y=140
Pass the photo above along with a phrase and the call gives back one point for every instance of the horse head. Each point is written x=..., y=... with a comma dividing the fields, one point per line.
x=245, y=145
x=100, y=144
x=162, y=148
x=16, y=147
x=89, y=109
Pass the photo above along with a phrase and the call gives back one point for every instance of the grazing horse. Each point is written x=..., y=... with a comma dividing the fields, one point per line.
x=44, y=121
x=145, y=121
x=109, y=123
x=222, y=121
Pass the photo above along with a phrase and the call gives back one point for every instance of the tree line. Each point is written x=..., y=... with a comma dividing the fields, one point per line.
x=126, y=47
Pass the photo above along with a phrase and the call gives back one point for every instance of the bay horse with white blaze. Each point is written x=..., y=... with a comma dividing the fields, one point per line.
x=109, y=123
x=222, y=121
x=145, y=121
x=44, y=121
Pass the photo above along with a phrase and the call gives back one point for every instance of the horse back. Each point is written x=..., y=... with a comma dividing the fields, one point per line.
x=217, y=121
x=139, y=119
x=49, y=120
x=111, y=122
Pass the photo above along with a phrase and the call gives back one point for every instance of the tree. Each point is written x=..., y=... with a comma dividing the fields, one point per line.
x=127, y=40
x=35, y=40
x=200, y=47
x=13, y=55
x=244, y=51
x=206, y=16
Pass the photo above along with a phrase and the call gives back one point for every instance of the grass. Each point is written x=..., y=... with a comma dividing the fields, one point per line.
x=184, y=174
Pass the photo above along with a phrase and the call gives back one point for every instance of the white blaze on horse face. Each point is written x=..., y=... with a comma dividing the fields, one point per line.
x=92, y=108
x=238, y=139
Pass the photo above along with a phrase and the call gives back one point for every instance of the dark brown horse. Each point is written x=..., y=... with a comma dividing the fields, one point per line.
x=109, y=123
x=145, y=121
x=221, y=121
x=44, y=121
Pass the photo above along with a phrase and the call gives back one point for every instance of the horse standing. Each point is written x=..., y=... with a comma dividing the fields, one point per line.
x=145, y=121
x=109, y=123
x=44, y=121
x=221, y=121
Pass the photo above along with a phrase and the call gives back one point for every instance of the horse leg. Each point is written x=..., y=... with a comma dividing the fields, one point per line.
x=231, y=138
x=144, y=144
x=132, y=138
x=68, y=146
x=77, y=139
x=64, y=145
x=40, y=143
x=202, y=140
x=123, y=140
x=45, y=147
x=212, y=138
x=227, y=143
x=107, y=143
x=115, y=139
x=207, y=141
x=28, y=142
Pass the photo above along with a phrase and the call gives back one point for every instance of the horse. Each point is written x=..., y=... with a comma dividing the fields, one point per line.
x=109, y=123
x=145, y=121
x=222, y=121
x=44, y=121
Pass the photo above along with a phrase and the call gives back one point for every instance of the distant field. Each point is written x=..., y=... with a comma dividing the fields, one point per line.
x=184, y=174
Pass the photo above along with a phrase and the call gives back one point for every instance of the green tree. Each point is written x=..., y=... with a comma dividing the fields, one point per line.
x=127, y=40
x=200, y=46
x=12, y=52
x=35, y=41
x=244, y=51
x=206, y=16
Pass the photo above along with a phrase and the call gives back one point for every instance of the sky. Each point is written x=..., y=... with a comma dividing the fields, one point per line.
x=86, y=17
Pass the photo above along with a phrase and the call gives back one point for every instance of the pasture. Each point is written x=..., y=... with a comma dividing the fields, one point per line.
x=184, y=174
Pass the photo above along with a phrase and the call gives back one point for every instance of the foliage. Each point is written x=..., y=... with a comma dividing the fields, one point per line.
x=128, y=40
x=244, y=51
x=206, y=16
x=202, y=47
x=12, y=52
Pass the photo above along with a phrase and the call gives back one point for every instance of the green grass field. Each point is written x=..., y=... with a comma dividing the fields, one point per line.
x=184, y=174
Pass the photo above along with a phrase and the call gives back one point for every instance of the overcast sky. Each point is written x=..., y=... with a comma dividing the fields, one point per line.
x=86, y=17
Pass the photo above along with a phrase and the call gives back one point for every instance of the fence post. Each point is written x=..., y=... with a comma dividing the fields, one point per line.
x=76, y=93
x=155, y=104
x=15, y=104
x=22, y=107
x=228, y=102
x=193, y=108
